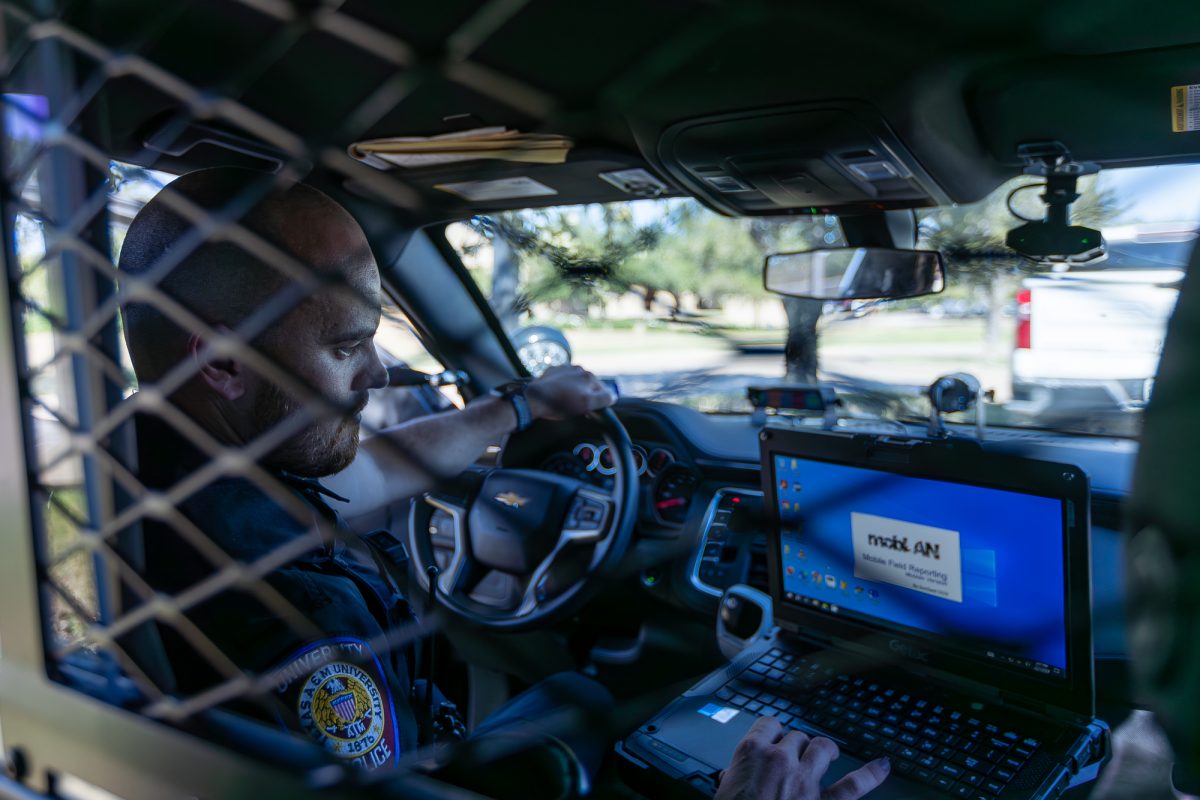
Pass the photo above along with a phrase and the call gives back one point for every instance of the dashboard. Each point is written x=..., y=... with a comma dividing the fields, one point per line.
x=700, y=524
x=701, y=527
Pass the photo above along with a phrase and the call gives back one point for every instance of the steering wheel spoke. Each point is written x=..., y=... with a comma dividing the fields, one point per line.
x=464, y=576
x=588, y=516
x=460, y=556
x=544, y=585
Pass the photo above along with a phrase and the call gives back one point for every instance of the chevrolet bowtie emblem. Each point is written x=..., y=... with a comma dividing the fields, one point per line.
x=511, y=499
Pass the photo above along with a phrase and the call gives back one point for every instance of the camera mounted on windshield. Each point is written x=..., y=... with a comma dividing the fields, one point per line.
x=1054, y=240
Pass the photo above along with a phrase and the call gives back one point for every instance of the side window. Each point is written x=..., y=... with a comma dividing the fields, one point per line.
x=398, y=346
x=58, y=409
x=535, y=309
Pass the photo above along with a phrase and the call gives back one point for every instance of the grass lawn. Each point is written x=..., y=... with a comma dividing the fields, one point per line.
x=75, y=574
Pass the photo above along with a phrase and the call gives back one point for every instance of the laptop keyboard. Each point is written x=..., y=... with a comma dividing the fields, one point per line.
x=948, y=748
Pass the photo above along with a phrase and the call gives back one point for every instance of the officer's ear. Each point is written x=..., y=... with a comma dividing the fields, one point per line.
x=225, y=376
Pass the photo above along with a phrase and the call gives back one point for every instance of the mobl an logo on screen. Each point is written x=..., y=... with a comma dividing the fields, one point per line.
x=917, y=557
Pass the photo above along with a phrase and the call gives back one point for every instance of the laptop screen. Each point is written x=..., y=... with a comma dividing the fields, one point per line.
x=979, y=569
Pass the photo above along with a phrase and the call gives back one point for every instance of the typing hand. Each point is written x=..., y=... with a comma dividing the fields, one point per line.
x=771, y=763
x=566, y=391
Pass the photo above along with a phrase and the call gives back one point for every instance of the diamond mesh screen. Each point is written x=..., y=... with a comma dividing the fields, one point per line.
x=70, y=204
x=72, y=184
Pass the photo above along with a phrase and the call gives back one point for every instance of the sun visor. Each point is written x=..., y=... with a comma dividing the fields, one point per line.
x=588, y=175
x=814, y=159
x=1116, y=109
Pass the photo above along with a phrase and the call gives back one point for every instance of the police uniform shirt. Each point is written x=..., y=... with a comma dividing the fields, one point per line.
x=347, y=688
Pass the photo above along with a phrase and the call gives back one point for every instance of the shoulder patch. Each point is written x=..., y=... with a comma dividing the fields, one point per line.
x=342, y=699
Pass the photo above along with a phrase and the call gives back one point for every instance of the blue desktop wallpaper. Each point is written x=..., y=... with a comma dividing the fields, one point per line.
x=979, y=564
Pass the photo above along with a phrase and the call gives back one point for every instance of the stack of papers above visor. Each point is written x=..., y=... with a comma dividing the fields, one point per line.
x=495, y=143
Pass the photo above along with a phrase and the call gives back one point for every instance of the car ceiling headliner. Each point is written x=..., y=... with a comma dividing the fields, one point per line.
x=961, y=84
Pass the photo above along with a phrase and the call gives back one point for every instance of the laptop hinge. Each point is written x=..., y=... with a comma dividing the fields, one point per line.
x=997, y=697
x=1024, y=704
x=804, y=635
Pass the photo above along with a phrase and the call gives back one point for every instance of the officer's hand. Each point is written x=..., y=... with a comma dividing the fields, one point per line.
x=567, y=391
x=772, y=764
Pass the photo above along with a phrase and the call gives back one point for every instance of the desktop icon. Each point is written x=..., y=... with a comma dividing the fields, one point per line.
x=831, y=581
x=783, y=484
x=843, y=585
x=791, y=570
x=858, y=590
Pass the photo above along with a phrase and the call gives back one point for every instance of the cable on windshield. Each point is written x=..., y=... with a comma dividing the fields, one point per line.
x=1008, y=201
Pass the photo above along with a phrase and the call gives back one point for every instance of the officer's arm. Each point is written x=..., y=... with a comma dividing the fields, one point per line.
x=410, y=458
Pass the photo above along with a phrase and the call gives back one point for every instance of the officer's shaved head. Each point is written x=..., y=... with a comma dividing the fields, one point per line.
x=315, y=336
x=218, y=280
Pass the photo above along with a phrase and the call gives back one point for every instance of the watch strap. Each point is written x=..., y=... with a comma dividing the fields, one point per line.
x=515, y=394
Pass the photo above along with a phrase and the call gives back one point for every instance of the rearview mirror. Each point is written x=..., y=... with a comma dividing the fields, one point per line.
x=855, y=273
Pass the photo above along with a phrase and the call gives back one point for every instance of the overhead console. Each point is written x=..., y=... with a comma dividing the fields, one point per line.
x=835, y=157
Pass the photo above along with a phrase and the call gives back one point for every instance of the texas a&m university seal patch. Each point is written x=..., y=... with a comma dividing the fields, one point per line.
x=342, y=700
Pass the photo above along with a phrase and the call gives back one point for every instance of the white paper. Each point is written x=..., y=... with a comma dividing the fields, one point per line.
x=501, y=189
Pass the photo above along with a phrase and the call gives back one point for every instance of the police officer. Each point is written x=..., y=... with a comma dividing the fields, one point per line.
x=327, y=627
x=344, y=684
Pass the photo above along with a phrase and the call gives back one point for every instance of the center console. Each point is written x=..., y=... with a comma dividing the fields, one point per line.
x=732, y=546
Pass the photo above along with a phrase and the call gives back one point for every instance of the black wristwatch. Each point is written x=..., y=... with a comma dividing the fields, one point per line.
x=514, y=392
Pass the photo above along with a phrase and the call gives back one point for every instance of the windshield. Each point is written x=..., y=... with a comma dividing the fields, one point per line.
x=667, y=298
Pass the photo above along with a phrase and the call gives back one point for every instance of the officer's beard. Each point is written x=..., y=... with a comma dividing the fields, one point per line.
x=325, y=447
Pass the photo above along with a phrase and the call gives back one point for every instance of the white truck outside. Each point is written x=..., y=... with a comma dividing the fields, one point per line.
x=1090, y=338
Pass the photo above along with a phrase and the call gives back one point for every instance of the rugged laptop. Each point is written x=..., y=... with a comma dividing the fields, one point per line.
x=934, y=606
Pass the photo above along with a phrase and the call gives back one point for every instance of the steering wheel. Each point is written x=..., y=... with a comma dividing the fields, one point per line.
x=557, y=537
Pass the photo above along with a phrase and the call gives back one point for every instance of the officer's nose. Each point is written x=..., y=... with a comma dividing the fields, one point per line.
x=373, y=375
